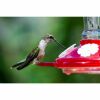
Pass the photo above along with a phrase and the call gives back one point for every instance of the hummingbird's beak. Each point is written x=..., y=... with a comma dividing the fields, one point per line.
x=60, y=45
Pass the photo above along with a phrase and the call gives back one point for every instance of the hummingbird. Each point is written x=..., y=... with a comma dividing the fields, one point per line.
x=38, y=53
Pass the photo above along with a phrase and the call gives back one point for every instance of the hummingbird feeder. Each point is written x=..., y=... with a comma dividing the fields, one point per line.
x=84, y=58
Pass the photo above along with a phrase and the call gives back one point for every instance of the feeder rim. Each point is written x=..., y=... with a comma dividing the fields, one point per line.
x=86, y=41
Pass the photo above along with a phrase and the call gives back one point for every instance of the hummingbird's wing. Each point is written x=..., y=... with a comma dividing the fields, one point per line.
x=31, y=56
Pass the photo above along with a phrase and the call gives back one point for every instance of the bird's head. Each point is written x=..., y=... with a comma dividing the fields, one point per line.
x=49, y=38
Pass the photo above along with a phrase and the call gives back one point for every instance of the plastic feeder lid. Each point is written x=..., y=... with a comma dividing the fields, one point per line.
x=82, y=59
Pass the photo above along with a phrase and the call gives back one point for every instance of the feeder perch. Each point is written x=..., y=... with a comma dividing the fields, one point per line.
x=84, y=58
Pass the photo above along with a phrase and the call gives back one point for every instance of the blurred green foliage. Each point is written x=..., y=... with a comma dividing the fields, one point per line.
x=19, y=35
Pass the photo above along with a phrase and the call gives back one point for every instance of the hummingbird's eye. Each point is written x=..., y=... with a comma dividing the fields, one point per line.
x=51, y=37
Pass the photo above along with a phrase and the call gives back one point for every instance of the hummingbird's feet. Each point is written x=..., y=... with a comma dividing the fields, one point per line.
x=36, y=61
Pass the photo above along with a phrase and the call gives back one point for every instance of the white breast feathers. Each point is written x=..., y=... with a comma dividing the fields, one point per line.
x=42, y=45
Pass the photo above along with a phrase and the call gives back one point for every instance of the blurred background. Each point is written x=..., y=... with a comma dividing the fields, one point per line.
x=19, y=35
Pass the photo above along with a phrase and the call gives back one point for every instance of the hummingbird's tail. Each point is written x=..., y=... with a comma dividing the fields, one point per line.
x=16, y=65
x=20, y=65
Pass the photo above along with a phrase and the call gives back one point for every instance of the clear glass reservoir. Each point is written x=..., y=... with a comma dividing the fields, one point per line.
x=91, y=28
